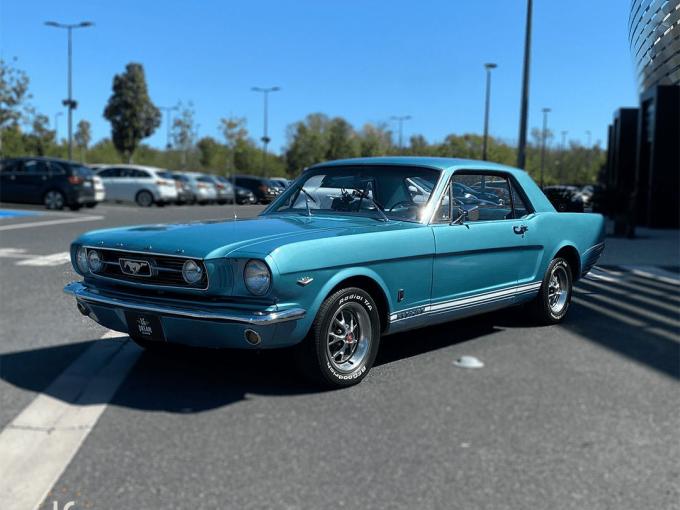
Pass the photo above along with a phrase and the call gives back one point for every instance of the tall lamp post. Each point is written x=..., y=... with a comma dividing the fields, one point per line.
x=168, y=120
x=265, y=137
x=56, y=126
x=400, y=119
x=544, y=135
x=521, y=146
x=488, y=68
x=70, y=103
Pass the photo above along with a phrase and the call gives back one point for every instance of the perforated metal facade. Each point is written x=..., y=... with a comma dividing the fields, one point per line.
x=654, y=36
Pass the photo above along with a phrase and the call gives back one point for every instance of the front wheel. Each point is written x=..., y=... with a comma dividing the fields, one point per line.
x=554, y=297
x=54, y=199
x=343, y=341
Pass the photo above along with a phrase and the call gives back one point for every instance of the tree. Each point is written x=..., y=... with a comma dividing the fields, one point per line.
x=208, y=149
x=132, y=114
x=41, y=138
x=236, y=139
x=342, y=141
x=13, y=94
x=307, y=142
x=183, y=130
x=376, y=140
x=83, y=137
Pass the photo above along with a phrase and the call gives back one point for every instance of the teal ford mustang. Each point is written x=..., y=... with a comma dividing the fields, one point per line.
x=352, y=251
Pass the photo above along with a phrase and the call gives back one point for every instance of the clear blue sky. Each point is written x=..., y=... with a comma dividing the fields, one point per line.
x=363, y=60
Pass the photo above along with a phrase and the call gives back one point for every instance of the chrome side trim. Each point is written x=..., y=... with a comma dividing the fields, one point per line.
x=454, y=304
x=85, y=294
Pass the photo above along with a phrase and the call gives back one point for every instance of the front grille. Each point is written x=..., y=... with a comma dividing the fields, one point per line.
x=152, y=269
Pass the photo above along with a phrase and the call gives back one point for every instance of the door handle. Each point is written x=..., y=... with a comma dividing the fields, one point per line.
x=519, y=230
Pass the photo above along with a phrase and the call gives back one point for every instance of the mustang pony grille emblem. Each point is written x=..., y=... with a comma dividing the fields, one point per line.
x=135, y=267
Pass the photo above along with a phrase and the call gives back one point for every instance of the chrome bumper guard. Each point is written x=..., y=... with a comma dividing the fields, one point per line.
x=85, y=294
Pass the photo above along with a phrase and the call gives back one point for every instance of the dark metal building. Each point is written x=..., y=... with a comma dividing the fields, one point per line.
x=642, y=174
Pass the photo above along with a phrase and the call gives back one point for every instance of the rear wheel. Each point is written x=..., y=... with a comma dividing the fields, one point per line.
x=552, y=303
x=54, y=199
x=144, y=199
x=343, y=341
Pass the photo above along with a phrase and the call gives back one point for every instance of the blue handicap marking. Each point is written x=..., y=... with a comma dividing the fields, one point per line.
x=13, y=213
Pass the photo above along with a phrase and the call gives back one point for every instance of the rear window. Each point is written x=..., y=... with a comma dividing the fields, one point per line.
x=82, y=171
x=205, y=179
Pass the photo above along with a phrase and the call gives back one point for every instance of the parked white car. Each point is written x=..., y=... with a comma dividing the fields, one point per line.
x=203, y=187
x=144, y=185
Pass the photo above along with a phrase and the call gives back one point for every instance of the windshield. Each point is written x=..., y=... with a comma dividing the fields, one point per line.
x=395, y=192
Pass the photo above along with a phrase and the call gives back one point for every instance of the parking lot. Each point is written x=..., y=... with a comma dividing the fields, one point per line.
x=580, y=415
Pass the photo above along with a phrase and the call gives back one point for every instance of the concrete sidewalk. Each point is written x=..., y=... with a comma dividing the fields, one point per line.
x=649, y=247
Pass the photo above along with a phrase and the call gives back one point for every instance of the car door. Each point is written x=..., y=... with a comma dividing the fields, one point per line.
x=33, y=180
x=110, y=178
x=479, y=244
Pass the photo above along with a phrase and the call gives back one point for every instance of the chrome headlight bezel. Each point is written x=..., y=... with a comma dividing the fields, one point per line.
x=81, y=260
x=94, y=261
x=189, y=268
x=257, y=277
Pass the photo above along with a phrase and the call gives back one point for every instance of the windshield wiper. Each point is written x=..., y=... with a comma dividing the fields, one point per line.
x=364, y=194
x=300, y=188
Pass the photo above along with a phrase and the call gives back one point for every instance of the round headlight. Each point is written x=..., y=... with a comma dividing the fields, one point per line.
x=94, y=261
x=257, y=277
x=81, y=260
x=192, y=272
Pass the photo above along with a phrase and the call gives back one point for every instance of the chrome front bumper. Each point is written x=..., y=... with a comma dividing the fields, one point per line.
x=86, y=294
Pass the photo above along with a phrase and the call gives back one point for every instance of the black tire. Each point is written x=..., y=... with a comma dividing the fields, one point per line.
x=144, y=198
x=315, y=352
x=54, y=200
x=91, y=205
x=541, y=308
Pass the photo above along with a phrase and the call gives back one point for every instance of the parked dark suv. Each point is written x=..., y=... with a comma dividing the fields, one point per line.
x=53, y=182
x=263, y=189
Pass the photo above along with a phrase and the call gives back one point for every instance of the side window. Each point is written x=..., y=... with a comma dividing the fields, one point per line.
x=520, y=207
x=139, y=174
x=57, y=168
x=443, y=212
x=109, y=173
x=485, y=196
x=7, y=167
x=35, y=168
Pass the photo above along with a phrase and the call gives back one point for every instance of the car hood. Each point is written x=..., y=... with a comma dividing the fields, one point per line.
x=220, y=238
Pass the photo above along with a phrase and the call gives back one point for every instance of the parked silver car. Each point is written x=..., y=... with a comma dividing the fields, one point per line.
x=144, y=185
x=203, y=188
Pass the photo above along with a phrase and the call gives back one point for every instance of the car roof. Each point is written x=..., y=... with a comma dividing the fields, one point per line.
x=423, y=161
x=138, y=167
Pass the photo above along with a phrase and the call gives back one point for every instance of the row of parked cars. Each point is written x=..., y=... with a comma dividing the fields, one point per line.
x=57, y=184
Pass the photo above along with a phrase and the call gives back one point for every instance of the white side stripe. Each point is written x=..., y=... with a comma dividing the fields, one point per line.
x=468, y=301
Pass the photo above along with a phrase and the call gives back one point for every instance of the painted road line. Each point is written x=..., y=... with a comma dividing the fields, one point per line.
x=14, y=253
x=56, y=259
x=41, y=441
x=46, y=223
x=15, y=213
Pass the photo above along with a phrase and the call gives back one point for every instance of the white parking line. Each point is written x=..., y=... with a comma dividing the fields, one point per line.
x=41, y=441
x=56, y=259
x=46, y=223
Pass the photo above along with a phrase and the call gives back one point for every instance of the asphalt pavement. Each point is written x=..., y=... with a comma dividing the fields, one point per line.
x=584, y=415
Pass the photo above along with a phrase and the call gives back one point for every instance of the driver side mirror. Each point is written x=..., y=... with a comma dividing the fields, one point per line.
x=465, y=215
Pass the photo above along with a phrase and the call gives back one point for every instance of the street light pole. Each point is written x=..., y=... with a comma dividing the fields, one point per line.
x=168, y=119
x=488, y=68
x=400, y=119
x=544, y=135
x=521, y=146
x=588, y=134
x=69, y=102
x=564, y=140
x=265, y=137
x=56, y=126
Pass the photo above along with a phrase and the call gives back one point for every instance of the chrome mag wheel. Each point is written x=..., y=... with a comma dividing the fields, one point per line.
x=558, y=289
x=349, y=337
